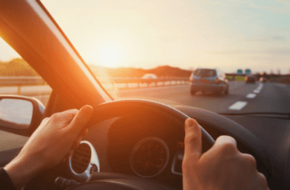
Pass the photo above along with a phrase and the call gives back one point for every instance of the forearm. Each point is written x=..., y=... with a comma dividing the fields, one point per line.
x=21, y=171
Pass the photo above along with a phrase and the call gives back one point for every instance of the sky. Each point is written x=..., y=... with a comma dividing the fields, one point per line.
x=225, y=34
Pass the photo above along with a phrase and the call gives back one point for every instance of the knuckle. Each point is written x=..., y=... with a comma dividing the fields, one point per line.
x=55, y=117
x=228, y=148
x=226, y=138
x=44, y=120
x=250, y=161
x=73, y=110
x=263, y=180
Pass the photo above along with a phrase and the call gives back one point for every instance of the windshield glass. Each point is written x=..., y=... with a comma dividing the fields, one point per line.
x=205, y=73
x=149, y=49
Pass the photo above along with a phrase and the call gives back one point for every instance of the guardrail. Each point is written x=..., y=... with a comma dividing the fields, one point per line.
x=36, y=81
x=15, y=81
x=109, y=83
x=140, y=81
x=21, y=81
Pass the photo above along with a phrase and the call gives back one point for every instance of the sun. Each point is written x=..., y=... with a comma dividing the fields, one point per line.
x=107, y=54
x=110, y=56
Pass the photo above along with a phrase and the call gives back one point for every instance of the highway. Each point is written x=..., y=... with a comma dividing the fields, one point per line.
x=242, y=98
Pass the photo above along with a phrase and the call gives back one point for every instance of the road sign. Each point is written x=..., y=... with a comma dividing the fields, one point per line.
x=240, y=72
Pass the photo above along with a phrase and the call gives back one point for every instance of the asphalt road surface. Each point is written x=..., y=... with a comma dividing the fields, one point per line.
x=259, y=97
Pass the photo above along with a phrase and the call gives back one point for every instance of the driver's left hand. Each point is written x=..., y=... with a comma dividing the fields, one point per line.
x=53, y=141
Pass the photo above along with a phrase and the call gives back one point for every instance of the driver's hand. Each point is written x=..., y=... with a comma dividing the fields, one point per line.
x=53, y=141
x=222, y=167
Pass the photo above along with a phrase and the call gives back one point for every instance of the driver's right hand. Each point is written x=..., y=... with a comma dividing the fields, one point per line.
x=222, y=167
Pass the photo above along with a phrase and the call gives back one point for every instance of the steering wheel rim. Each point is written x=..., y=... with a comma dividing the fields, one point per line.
x=120, y=108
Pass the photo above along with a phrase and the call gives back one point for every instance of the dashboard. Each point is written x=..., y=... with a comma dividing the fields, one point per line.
x=140, y=147
x=152, y=148
x=147, y=148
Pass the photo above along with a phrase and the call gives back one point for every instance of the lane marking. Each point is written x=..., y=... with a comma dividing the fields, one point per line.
x=238, y=105
x=251, y=95
x=259, y=88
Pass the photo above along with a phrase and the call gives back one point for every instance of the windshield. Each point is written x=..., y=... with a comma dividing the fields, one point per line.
x=149, y=49
x=205, y=73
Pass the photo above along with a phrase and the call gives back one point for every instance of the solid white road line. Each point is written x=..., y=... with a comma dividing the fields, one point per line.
x=238, y=105
x=256, y=91
x=251, y=95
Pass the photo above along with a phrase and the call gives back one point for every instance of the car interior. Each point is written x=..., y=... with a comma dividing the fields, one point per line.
x=114, y=154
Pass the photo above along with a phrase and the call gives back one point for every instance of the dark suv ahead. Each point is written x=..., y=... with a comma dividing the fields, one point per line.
x=250, y=79
x=205, y=80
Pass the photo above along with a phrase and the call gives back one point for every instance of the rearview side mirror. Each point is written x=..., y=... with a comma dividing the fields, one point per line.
x=20, y=114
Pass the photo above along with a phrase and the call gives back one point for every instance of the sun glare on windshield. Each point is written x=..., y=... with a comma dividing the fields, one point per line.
x=111, y=55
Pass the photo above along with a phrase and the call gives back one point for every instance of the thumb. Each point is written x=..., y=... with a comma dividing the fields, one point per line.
x=192, y=140
x=81, y=118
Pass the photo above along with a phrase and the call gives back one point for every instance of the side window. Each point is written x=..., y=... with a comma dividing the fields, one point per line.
x=17, y=77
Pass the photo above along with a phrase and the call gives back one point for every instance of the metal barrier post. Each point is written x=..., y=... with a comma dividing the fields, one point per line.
x=19, y=89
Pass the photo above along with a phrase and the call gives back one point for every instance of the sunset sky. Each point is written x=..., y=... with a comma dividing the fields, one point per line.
x=228, y=34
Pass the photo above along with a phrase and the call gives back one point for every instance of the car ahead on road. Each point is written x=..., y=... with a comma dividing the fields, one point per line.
x=112, y=151
x=208, y=80
x=263, y=79
x=149, y=76
x=250, y=79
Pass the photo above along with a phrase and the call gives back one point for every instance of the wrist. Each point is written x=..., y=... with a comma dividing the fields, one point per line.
x=21, y=170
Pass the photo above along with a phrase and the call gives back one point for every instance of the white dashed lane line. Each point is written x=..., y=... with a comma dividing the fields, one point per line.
x=259, y=88
x=238, y=105
x=251, y=95
x=241, y=104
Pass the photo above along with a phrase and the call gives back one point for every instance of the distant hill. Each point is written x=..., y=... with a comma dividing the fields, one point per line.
x=19, y=67
x=161, y=71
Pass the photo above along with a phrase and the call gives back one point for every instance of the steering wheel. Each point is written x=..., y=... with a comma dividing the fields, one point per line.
x=121, y=108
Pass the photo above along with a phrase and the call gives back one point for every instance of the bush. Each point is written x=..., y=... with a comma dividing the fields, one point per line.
x=16, y=67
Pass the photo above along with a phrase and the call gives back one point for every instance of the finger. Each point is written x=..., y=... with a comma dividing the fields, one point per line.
x=71, y=112
x=77, y=142
x=250, y=161
x=226, y=144
x=69, y=153
x=263, y=181
x=192, y=140
x=63, y=160
x=64, y=117
x=80, y=120
x=221, y=140
x=44, y=121
x=259, y=182
x=85, y=132
x=68, y=115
